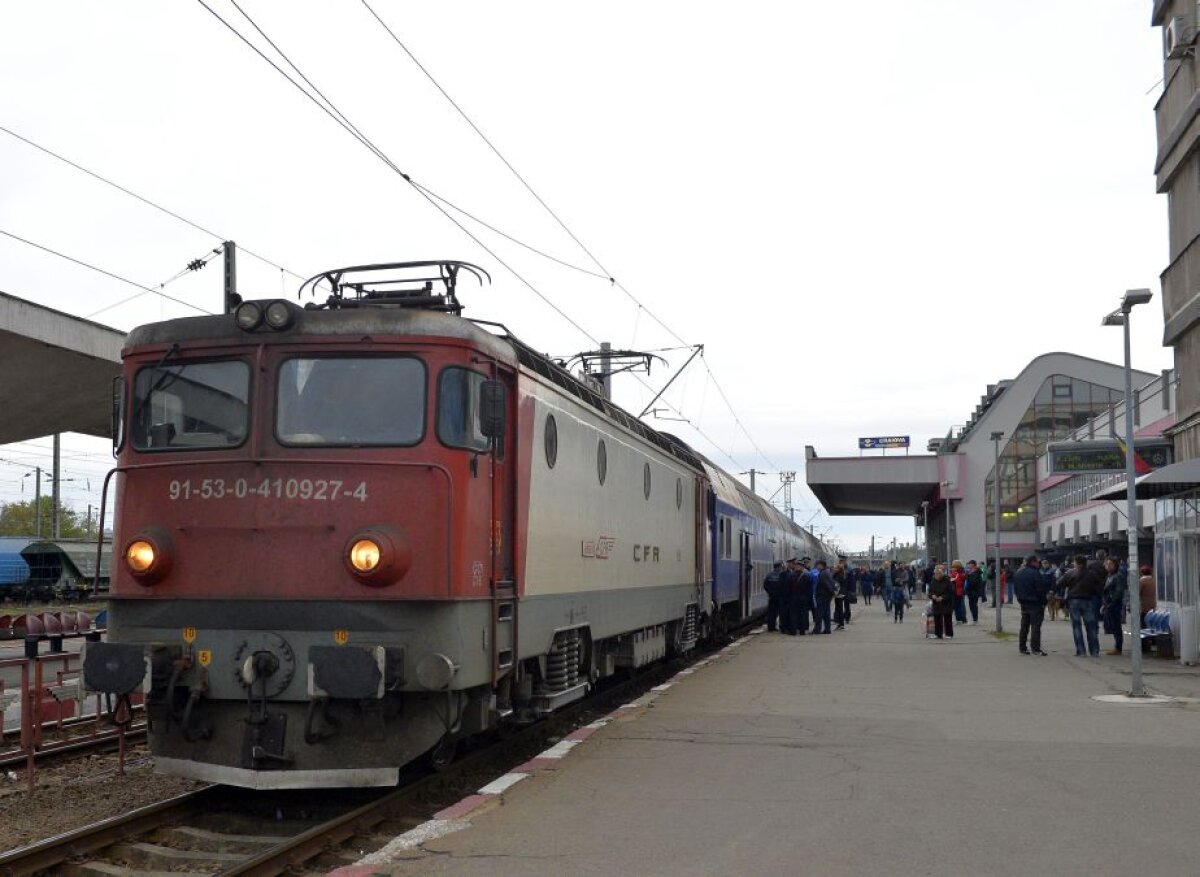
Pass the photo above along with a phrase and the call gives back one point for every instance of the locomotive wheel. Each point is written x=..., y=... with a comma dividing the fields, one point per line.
x=442, y=755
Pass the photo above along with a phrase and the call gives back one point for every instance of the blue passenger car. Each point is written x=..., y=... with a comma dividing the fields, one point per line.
x=14, y=571
x=748, y=535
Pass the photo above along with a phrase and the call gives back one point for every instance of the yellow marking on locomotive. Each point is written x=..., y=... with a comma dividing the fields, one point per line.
x=189, y=635
x=204, y=656
x=341, y=637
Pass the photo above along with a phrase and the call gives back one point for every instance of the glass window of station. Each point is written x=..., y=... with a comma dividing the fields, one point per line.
x=1062, y=405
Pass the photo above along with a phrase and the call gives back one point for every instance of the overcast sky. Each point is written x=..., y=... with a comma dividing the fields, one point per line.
x=865, y=212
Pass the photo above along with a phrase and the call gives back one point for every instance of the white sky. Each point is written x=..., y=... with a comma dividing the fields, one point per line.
x=866, y=212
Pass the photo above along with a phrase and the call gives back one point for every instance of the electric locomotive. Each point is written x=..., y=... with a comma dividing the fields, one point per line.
x=352, y=533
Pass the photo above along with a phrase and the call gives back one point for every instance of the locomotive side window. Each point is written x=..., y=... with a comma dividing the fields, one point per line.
x=458, y=409
x=646, y=480
x=351, y=401
x=551, y=441
x=601, y=461
x=190, y=405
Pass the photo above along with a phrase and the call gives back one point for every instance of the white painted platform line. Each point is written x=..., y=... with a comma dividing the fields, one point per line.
x=423, y=833
x=662, y=687
x=502, y=784
x=629, y=706
x=598, y=724
x=560, y=749
x=687, y=672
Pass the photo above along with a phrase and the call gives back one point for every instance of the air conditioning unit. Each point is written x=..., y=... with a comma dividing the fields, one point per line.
x=1179, y=36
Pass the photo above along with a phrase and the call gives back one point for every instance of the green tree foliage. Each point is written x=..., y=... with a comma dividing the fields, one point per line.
x=20, y=519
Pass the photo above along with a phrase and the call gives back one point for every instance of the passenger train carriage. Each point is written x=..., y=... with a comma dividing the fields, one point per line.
x=352, y=533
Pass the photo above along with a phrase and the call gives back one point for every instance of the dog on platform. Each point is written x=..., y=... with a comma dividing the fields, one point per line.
x=1053, y=604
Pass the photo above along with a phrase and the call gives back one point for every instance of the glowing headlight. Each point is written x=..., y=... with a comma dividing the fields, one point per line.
x=248, y=316
x=279, y=315
x=365, y=555
x=140, y=556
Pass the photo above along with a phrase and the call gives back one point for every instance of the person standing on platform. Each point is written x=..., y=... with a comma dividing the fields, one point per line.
x=866, y=579
x=976, y=589
x=941, y=594
x=801, y=591
x=824, y=588
x=787, y=598
x=773, y=585
x=1031, y=591
x=958, y=575
x=900, y=602
x=886, y=583
x=1146, y=590
x=990, y=575
x=843, y=594
x=926, y=577
x=1085, y=587
x=1112, y=601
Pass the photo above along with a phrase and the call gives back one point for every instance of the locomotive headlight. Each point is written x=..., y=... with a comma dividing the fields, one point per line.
x=248, y=316
x=140, y=556
x=365, y=555
x=379, y=555
x=279, y=315
x=149, y=555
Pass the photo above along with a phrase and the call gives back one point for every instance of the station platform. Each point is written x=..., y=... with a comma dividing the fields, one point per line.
x=870, y=750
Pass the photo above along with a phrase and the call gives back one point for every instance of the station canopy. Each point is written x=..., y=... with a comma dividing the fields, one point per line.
x=873, y=485
x=56, y=372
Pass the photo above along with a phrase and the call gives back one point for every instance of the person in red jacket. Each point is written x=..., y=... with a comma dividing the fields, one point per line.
x=958, y=576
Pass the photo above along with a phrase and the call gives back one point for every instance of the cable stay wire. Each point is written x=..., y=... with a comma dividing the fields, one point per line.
x=106, y=273
x=147, y=201
x=340, y=118
x=606, y=273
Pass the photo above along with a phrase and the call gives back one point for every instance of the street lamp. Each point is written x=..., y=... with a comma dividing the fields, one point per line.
x=1120, y=317
x=996, y=437
x=945, y=490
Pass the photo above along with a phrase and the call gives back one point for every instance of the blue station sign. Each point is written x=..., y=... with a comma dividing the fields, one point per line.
x=885, y=441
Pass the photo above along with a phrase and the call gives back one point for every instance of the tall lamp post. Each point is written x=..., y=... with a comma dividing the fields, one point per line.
x=945, y=490
x=996, y=437
x=1120, y=317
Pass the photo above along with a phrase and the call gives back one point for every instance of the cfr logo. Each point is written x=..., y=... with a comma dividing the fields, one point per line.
x=645, y=554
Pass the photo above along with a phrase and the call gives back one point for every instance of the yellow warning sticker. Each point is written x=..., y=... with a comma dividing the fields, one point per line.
x=189, y=635
x=204, y=656
x=341, y=637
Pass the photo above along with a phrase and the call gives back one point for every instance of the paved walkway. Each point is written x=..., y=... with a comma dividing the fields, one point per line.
x=870, y=751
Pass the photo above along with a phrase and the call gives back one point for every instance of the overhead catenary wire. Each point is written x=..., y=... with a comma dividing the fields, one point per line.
x=105, y=273
x=529, y=188
x=341, y=119
x=145, y=200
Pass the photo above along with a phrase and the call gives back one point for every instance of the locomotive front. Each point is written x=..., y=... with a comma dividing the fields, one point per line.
x=315, y=520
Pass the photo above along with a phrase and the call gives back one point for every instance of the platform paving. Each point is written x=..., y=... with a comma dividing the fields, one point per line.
x=869, y=751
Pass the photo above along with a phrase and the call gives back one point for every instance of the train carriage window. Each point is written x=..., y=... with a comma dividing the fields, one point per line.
x=351, y=401
x=458, y=409
x=190, y=406
x=601, y=461
x=550, y=440
x=646, y=481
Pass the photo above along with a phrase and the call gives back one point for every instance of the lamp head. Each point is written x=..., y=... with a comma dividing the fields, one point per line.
x=1135, y=297
x=996, y=436
x=1116, y=318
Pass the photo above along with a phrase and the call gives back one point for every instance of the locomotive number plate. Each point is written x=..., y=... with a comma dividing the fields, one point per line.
x=301, y=489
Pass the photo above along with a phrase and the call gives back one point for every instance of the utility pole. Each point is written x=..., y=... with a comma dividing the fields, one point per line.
x=606, y=370
x=751, y=473
x=37, y=497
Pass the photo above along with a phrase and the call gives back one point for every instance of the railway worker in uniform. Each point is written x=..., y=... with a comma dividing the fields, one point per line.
x=824, y=588
x=773, y=584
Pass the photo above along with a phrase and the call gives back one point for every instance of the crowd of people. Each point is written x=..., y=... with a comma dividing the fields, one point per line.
x=807, y=597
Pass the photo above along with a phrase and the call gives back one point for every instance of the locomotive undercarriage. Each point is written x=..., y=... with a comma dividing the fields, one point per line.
x=281, y=706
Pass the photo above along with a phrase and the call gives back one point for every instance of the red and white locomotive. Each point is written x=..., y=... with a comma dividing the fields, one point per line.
x=352, y=533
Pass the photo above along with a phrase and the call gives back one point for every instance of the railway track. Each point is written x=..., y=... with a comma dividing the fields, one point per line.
x=221, y=830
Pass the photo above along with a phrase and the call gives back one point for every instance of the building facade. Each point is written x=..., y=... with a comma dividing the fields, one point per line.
x=1177, y=174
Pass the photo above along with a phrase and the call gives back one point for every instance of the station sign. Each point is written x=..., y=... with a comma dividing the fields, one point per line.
x=1103, y=455
x=886, y=441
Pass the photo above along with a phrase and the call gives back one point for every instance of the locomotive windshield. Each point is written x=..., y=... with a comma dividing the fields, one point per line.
x=351, y=401
x=190, y=405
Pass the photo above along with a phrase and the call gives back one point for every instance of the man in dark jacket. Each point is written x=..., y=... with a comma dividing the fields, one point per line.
x=773, y=585
x=799, y=597
x=1085, y=589
x=1031, y=590
x=823, y=590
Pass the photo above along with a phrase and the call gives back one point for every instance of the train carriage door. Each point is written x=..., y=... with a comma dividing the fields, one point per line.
x=746, y=567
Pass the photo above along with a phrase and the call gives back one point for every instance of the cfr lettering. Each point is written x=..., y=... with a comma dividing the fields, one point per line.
x=645, y=554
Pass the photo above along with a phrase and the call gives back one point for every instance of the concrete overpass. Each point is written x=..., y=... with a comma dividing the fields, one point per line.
x=874, y=485
x=56, y=372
